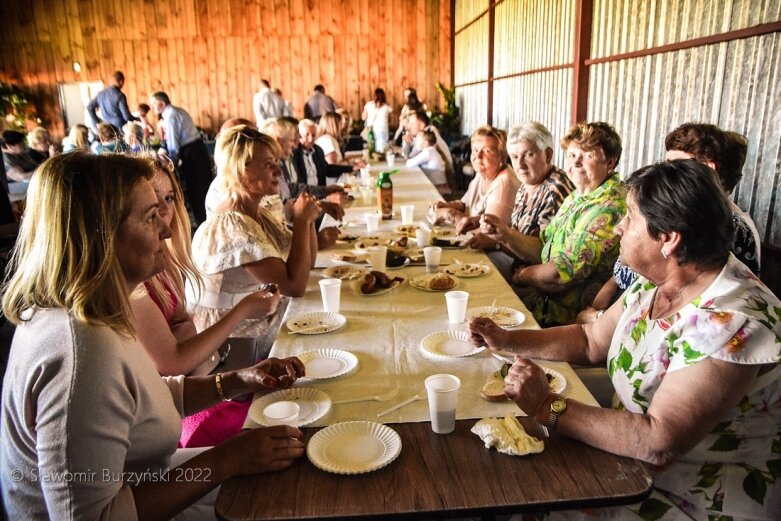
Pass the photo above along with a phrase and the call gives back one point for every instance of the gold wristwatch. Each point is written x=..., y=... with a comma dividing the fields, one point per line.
x=557, y=408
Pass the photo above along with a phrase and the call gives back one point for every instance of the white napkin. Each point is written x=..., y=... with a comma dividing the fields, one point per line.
x=507, y=435
x=327, y=222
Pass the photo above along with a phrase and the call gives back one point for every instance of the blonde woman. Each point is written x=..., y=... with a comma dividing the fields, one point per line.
x=41, y=145
x=493, y=189
x=78, y=139
x=80, y=397
x=245, y=244
x=329, y=137
x=164, y=328
x=133, y=135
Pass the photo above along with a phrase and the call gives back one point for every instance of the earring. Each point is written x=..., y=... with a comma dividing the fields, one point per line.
x=664, y=253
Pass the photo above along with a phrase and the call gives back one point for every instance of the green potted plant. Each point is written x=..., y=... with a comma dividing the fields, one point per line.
x=448, y=122
x=15, y=108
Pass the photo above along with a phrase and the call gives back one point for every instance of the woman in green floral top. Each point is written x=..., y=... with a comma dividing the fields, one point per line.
x=575, y=254
x=693, y=352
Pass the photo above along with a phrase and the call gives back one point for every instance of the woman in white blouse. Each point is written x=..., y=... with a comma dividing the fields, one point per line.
x=328, y=137
x=376, y=114
x=493, y=189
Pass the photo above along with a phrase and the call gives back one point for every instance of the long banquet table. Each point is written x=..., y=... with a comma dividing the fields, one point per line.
x=435, y=475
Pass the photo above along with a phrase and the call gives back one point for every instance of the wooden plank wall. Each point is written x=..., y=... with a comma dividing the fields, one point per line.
x=209, y=55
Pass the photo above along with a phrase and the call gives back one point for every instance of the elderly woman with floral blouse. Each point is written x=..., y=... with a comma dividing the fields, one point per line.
x=692, y=349
x=576, y=252
x=543, y=189
x=725, y=152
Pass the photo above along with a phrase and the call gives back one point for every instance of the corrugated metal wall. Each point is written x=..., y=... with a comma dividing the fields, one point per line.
x=543, y=97
x=468, y=10
x=471, y=53
x=540, y=96
x=735, y=85
x=550, y=21
x=473, y=101
x=471, y=63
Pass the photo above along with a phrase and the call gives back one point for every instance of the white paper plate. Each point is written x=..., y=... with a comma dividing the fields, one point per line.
x=313, y=404
x=424, y=282
x=316, y=323
x=349, y=257
x=344, y=272
x=327, y=363
x=353, y=447
x=403, y=264
x=394, y=285
x=346, y=239
x=364, y=244
x=450, y=344
x=503, y=316
x=406, y=229
x=467, y=270
x=448, y=242
x=557, y=381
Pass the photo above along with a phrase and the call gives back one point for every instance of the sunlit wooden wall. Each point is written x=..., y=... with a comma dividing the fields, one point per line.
x=209, y=55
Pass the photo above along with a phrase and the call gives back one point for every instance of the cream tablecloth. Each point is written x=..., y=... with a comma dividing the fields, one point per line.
x=385, y=331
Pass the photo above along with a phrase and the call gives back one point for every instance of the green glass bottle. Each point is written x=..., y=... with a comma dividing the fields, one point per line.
x=370, y=140
x=385, y=196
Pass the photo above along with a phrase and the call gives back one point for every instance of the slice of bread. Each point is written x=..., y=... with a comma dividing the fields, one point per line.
x=493, y=390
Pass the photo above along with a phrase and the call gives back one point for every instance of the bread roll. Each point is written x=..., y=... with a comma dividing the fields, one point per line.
x=442, y=281
x=493, y=390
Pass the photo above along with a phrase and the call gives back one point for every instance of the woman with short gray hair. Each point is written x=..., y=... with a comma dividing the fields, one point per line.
x=544, y=187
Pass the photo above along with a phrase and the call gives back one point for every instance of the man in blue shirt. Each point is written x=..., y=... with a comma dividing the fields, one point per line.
x=112, y=104
x=187, y=151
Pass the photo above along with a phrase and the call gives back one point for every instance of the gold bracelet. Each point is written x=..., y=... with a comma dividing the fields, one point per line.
x=218, y=385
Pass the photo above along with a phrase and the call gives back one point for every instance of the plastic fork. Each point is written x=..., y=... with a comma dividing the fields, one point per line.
x=400, y=405
x=308, y=329
x=378, y=398
x=493, y=309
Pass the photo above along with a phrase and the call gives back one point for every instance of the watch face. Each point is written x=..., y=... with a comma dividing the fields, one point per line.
x=558, y=405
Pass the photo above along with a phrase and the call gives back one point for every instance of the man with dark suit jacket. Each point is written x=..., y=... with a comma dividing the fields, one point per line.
x=310, y=164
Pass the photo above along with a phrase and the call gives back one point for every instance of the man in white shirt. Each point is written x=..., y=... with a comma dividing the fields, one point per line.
x=267, y=104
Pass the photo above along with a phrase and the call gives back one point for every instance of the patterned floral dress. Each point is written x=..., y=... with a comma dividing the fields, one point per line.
x=582, y=244
x=734, y=472
x=535, y=207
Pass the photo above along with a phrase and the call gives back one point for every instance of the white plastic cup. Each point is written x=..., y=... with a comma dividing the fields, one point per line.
x=331, y=291
x=378, y=256
x=372, y=222
x=366, y=177
x=367, y=195
x=432, y=254
x=442, y=391
x=423, y=236
x=407, y=214
x=390, y=157
x=456, y=306
x=282, y=413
